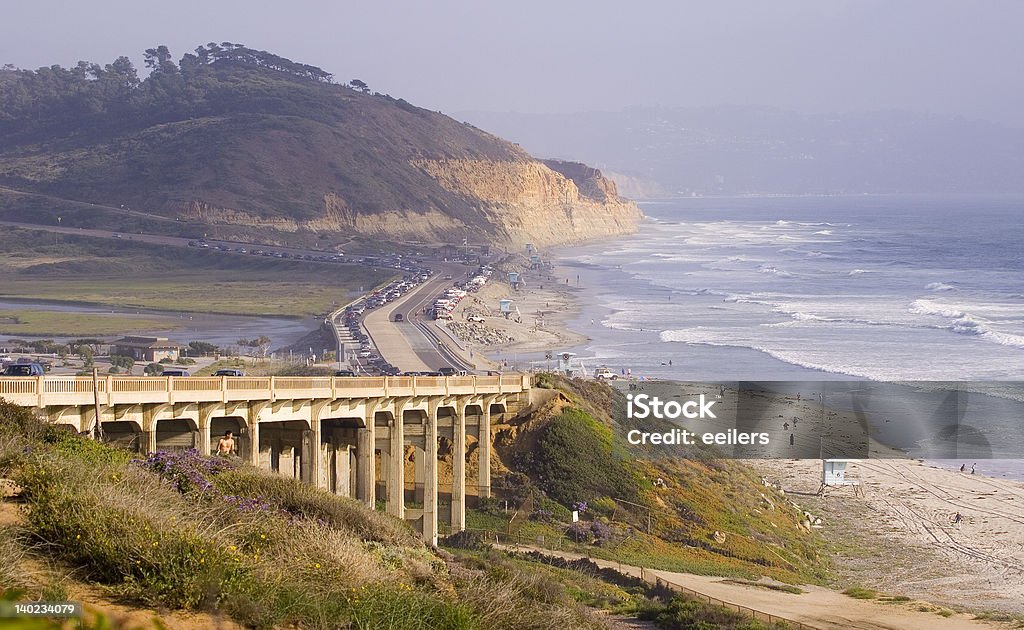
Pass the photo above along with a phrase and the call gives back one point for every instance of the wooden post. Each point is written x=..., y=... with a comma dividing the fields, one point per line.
x=97, y=429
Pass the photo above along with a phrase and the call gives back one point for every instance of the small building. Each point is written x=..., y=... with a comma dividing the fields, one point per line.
x=147, y=348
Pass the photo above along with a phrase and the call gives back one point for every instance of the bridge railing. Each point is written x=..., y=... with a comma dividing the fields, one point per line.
x=44, y=391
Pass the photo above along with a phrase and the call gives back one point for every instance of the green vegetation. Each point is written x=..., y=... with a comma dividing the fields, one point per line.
x=573, y=461
x=683, y=613
x=859, y=592
x=180, y=531
x=39, y=323
x=703, y=515
x=138, y=275
x=234, y=138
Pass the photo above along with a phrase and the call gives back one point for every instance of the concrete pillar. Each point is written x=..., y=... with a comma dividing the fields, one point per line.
x=484, y=450
x=341, y=473
x=253, y=433
x=459, y=470
x=204, y=437
x=430, y=482
x=312, y=454
x=365, y=482
x=419, y=476
x=396, y=464
x=151, y=438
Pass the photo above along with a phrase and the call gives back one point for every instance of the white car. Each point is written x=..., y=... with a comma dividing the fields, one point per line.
x=605, y=373
x=475, y=318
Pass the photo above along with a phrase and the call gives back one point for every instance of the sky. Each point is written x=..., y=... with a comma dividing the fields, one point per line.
x=960, y=57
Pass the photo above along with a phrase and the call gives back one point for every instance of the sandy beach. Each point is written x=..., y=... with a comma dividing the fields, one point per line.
x=901, y=538
x=545, y=307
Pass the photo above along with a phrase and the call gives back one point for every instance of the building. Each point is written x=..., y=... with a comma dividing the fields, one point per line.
x=147, y=348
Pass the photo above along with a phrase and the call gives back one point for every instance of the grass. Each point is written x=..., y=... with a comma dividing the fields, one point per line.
x=859, y=592
x=136, y=275
x=179, y=531
x=58, y=323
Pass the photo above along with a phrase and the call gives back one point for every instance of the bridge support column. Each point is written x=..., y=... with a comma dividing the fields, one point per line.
x=396, y=463
x=484, y=450
x=430, y=475
x=253, y=432
x=366, y=486
x=459, y=470
x=150, y=436
x=312, y=450
x=205, y=412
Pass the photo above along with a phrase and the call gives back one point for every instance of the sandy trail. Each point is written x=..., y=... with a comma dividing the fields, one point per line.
x=904, y=528
x=817, y=607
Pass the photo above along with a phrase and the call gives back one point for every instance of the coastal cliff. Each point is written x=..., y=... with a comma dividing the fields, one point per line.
x=234, y=142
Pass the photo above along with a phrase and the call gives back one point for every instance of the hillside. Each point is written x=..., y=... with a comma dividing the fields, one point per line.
x=231, y=136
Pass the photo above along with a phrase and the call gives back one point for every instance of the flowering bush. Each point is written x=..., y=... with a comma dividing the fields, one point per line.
x=590, y=532
x=542, y=515
x=580, y=506
x=187, y=471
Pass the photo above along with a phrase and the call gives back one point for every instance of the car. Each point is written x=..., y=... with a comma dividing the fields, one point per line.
x=604, y=373
x=344, y=373
x=399, y=317
x=226, y=372
x=25, y=369
x=174, y=372
x=475, y=318
x=447, y=371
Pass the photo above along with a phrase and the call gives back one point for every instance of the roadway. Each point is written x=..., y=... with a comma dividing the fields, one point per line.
x=410, y=345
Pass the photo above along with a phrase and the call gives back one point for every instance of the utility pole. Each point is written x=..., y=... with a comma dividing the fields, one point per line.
x=97, y=429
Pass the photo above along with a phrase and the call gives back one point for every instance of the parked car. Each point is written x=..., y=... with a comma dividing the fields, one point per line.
x=226, y=372
x=447, y=371
x=344, y=373
x=475, y=318
x=604, y=373
x=24, y=369
x=174, y=372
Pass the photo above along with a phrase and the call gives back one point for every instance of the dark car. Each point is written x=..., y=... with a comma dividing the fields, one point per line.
x=227, y=372
x=25, y=369
x=174, y=372
x=399, y=317
x=447, y=371
x=344, y=373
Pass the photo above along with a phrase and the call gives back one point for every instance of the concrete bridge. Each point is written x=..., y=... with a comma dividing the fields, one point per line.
x=355, y=436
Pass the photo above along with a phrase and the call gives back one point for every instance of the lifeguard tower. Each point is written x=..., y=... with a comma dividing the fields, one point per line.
x=833, y=475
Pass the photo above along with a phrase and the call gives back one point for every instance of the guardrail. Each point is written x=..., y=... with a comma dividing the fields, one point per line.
x=44, y=391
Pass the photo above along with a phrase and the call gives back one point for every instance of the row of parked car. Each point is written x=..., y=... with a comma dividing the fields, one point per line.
x=353, y=316
x=202, y=244
x=444, y=305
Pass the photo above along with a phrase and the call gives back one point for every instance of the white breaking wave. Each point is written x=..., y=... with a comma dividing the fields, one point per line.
x=940, y=286
x=965, y=323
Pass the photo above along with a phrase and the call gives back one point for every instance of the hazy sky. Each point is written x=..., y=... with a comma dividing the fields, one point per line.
x=961, y=57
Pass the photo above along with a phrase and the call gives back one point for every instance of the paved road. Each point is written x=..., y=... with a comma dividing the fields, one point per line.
x=170, y=241
x=404, y=344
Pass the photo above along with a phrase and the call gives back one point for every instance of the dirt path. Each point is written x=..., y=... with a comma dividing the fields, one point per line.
x=817, y=607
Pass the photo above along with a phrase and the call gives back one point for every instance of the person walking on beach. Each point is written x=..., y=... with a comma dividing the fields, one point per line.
x=972, y=467
x=226, y=445
x=957, y=518
x=963, y=467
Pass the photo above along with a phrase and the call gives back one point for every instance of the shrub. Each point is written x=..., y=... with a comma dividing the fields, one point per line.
x=574, y=461
x=153, y=369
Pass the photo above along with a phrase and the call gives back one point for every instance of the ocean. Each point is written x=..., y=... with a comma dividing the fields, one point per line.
x=809, y=288
x=884, y=288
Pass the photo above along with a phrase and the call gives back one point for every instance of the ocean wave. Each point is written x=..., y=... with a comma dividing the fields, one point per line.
x=940, y=286
x=824, y=232
x=965, y=323
x=857, y=272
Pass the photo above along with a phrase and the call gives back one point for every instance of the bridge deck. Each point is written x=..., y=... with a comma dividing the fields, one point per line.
x=45, y=391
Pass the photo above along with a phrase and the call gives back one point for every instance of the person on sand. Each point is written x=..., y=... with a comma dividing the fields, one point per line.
x=226, y=445
x=972, y=467
x=963, y=467
x=957, y=518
